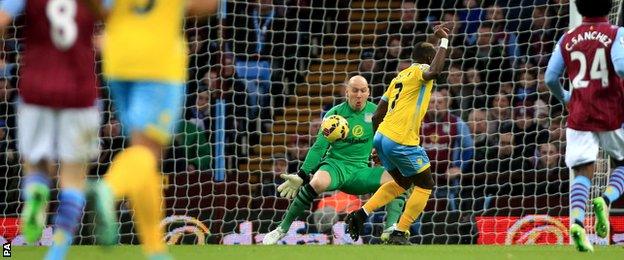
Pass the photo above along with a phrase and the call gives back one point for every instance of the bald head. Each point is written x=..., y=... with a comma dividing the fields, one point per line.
x=357, y=92
x=357, y=81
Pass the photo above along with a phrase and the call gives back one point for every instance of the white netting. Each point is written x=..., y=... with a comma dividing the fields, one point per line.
x=615, y=16
x=253, y=110
x=599, y=184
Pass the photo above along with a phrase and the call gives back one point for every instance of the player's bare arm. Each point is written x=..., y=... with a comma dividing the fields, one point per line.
x=8, y=10
x=555, y=69
x=442, y=32
x=98, y=8
x=617, y=53
x=380, y=113
x=5, y=20
x=202, y=7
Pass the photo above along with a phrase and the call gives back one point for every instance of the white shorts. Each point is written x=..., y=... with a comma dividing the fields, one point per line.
x=582, y=146
x=68, y=135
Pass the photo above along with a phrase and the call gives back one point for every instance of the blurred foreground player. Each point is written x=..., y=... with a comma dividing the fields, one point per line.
x=145, y=58
x=57, y=118
x=593, y=55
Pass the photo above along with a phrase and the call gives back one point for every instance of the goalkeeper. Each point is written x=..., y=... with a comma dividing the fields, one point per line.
x=342, y=165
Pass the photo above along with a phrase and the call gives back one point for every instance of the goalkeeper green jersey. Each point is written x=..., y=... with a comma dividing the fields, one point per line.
x=355, y=149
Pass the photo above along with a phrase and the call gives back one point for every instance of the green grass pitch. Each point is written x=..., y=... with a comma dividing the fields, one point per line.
x=377, y=252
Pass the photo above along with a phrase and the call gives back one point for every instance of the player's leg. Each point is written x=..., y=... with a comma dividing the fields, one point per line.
x=36, y=144
x=389, y=190
x=325, y=179
x=412, y=165
x=306, y=195
x=412, y=169
x=613, y=143
x=581, y=152
x=152, y=110
x=77, y=144
x=120, y=92
x=579, y=196
x=105, y=222
x=35, y=194
x=161, y=105
x=422, y=184
x=105, y=192
x=368, y=180
x=70, y=209
x=615, y=188
x=395, y=207
x=612, y=192
x=386, y=193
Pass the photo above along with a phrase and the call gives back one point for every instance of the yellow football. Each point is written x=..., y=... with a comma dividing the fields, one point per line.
x=335, y=128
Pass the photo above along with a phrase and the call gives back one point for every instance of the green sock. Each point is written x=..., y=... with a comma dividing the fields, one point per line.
x=302, y=201
x=394, y=210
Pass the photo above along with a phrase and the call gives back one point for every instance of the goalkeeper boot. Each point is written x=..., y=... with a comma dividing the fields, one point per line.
x=105, y=217
x=582, y=244
x=274, y=236
x=399, y=238
x=33, y=215
x=602, y=217
x=385, y=235
x=355, y=223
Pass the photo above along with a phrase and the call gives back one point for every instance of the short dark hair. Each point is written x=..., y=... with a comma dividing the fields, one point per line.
x=423, y=52
x=454, y=66
x=489, y=25
x=594, y=8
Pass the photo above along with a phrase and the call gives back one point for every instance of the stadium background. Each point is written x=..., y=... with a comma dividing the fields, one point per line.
x=254, y=107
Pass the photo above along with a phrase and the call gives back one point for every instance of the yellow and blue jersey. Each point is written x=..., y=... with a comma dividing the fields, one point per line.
x=144, y=41
x=145, y=59
x=408, y=97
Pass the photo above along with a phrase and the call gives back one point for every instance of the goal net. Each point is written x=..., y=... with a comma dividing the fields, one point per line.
x=261, y=75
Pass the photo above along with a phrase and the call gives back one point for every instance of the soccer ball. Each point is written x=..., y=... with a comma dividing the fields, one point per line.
x=335, y=128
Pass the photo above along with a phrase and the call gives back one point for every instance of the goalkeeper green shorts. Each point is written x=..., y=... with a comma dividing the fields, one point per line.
x=354, y=180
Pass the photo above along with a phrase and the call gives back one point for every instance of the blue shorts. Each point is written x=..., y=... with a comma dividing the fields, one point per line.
x=410, y=160
x=150, y=107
